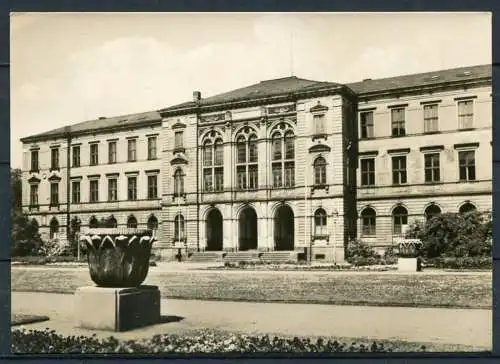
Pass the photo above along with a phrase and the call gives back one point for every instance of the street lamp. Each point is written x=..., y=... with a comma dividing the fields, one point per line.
x=335, y=216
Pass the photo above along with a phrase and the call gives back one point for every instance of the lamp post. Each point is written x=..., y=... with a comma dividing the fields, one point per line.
x=335, y=215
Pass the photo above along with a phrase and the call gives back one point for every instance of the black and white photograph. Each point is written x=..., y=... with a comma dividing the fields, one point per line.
x=250, y=183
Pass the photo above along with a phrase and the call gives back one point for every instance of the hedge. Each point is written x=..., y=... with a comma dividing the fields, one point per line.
x=41, y=260
x=459, y=263
x=49, y=342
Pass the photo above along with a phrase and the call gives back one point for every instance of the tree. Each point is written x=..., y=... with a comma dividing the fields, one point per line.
x=74, y=228
x=25, y=237
x=16, y=188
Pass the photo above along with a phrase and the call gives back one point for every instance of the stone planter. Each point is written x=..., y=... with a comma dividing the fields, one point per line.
x=118, y=257
x=409, y=265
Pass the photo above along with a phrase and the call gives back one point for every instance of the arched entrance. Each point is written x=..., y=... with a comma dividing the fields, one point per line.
x=284, y=226
x=214, y=230
x=248, y=229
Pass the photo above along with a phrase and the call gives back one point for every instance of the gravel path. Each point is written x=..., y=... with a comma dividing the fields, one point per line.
x=447, y=326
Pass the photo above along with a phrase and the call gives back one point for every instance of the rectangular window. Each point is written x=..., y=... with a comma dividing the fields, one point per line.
x=112, y=189
x=94, y=154
x=112, y=152
x=152, y=187
x=467, y=165
x=34, y=161
x=398, y=122
x=430, y=118
x=276, y=146
x=320, y=227
x=241, y=175
x=253, y=177
x=132, y=188
x=132, y=150
x=94, y=191
x=241, y=151
x=76, y=156
x=54, y=194
x=366, y=120
x=54, y=158
x=252, y=151
x=33, y=195
x=431, y=162
x=75, y=192
x=207, y=179
x=207, y=156
x=219, y=179
x=465, y=114
x=152, y=147
x=277, y=175
x=289, y=174
x=219, y=155
x=319, y=124
x=179, y=139
x=399, y=170
x=368, y=172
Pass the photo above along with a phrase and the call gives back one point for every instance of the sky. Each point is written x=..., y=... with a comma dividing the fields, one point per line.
x=71, y=67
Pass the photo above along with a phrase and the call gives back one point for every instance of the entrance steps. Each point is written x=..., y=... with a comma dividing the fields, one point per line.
x=279, y=257
x=200, y=257
x=243, y=256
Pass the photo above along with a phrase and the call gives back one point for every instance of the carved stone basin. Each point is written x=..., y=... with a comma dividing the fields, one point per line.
x=118, y=257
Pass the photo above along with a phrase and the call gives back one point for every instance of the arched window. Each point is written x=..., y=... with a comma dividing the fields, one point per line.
x=467, y=207
x=179, y=228
x=432, y=211
x=54, y=228
x=320, y=228
x=320, y=171
x=178, y=183
x=132, y=222
x=368, y=222
x=93, y=223
x=283, y=156
x=246, y=160
x=112, y=223
x=399, y=218
x=152, y=223
x=213, y=162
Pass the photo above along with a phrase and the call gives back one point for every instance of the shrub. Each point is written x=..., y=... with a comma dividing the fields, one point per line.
x=25, y=237
x=460, y=263
x=48, y=341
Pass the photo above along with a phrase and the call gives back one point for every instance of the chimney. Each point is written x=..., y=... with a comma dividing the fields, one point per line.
x=196, y=96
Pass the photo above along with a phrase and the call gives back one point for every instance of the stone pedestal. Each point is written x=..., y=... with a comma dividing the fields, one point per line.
x=409, y=265
x=117, y=309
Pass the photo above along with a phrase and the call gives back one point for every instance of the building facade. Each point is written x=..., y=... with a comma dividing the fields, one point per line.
x=283, y=165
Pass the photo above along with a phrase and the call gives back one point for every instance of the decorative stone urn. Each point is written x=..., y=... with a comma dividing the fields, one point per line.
x=118, y=257
x=408, y=260
x=118, y=263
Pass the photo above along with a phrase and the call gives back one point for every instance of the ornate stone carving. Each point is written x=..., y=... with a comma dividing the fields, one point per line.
x=212, y=118
x=118, y=257
x=281, y=109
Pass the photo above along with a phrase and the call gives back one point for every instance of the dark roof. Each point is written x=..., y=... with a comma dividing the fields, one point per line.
x=421, y=79
x=100, y=123
x=263, y=89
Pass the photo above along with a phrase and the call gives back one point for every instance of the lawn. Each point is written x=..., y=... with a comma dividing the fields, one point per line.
x=375, y=289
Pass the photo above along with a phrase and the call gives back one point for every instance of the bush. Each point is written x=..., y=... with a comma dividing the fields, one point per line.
x=460, y=263
x=25, y=237
x=48, y=341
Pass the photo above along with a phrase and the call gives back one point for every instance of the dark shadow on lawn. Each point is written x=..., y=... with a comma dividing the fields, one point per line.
x=165, y=319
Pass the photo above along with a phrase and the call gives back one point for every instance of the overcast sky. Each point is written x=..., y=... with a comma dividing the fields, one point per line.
x=67, y=68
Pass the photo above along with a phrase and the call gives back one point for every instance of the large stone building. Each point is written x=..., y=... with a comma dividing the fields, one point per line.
x=283, y=165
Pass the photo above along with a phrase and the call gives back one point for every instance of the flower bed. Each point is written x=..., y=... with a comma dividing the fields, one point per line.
x=205, y=341
x=301, y=267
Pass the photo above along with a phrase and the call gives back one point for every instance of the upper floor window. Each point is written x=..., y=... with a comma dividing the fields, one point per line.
x=34, y=161
x=430, y=118
x=54, y=158
x=368, y=221
x=178, y=182
x=213, y=161
x=132, y=150
x=319, y=124
x=94, y=190
x=132, y=188
x=76, y=156
x=398, y=121
x=34, y=195
x=112, y=189
x=465, y=114
x=152, y=147
x=320, y=171
x=368, y=172
x=432, y=168
x=179, y=140
x=112, y=152
x=467, y=165
x=75, y=192
x=246, y=161
x=94, y=154
x=366, y=121
x=320, y=227
x=54, y=194
x=283, y=157
x=399, y=170
x=152, y=187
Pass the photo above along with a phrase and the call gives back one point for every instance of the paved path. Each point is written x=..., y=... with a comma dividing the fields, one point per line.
x=447, y=326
